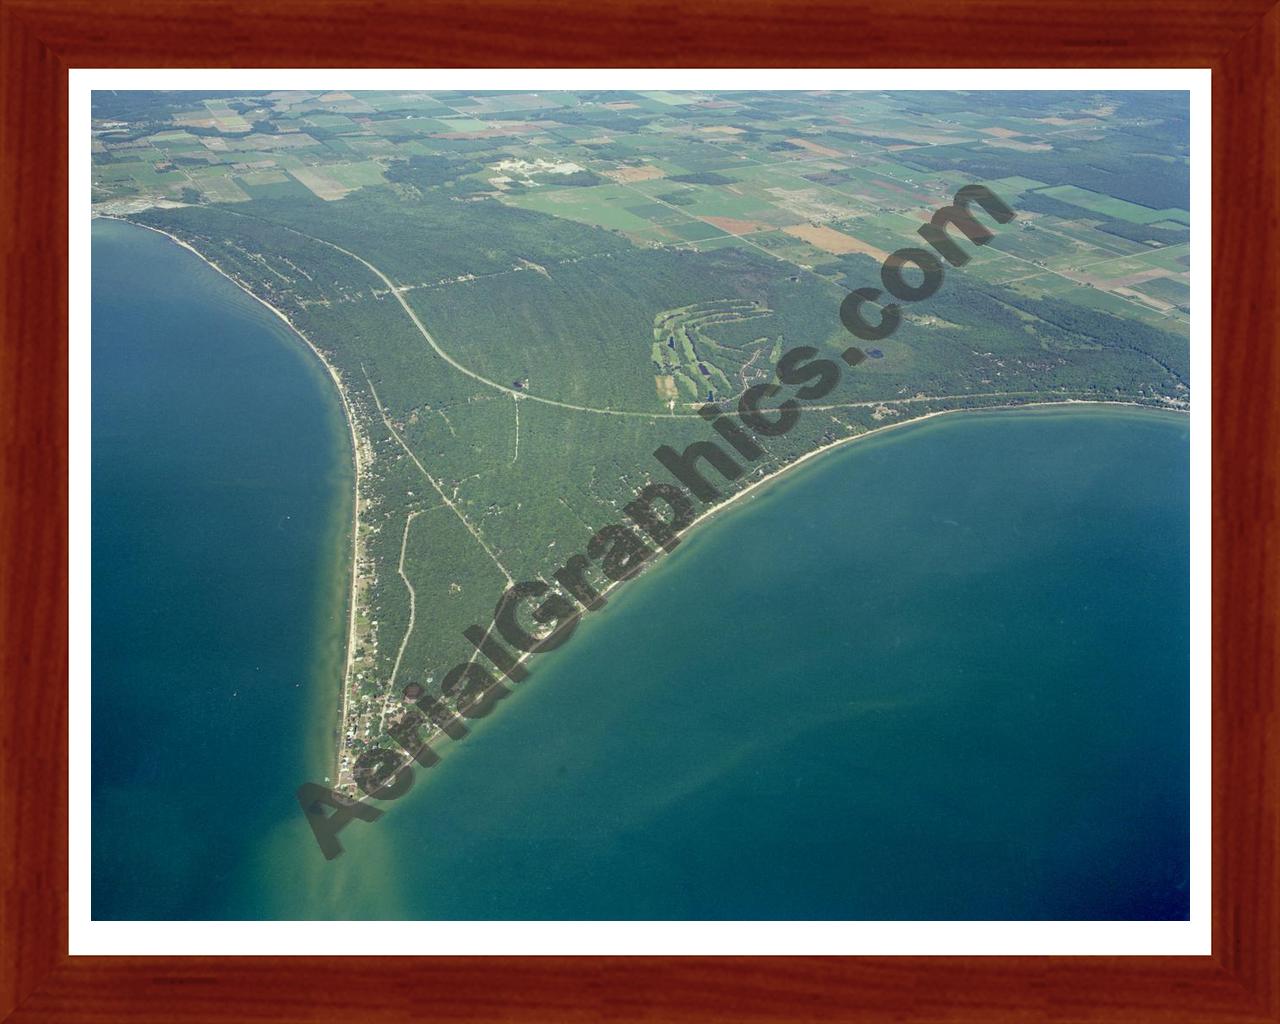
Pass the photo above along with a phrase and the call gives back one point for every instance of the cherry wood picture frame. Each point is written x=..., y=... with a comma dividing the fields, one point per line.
x=41, y=39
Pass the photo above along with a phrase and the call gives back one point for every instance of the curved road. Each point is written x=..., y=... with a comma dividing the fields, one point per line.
x=525, y=396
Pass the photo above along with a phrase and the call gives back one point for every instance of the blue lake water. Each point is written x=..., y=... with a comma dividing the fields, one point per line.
x=939, y=673
x=221, y=497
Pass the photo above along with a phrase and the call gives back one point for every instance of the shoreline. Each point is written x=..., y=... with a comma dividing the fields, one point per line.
x=839, y=442
x=441, y=744
x=438, y=742
x=357, y=468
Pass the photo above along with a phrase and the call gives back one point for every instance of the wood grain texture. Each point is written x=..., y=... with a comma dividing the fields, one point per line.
x=40, y=40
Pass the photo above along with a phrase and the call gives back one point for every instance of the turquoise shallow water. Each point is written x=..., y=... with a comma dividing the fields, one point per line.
x=939, y=673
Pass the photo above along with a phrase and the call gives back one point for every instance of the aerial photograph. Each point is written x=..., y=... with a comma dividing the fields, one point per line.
x=640, y=505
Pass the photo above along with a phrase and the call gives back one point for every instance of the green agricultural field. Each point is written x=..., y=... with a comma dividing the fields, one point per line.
x=219, y=188
x=669, y=98
x=722, y=201
x=463, y=124
x=1013, y=186
x=1173, y=257
x=695, y=231
x=1166, y=289
x=719, y=242
x=264, y=178
x=605, y=206
x=1122, y=307
x=1030, y=242
x=367, y=172
x=1111, y=207
x=413, y=125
